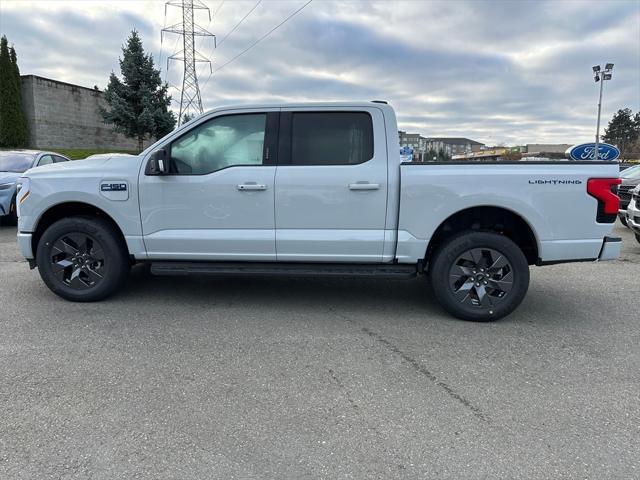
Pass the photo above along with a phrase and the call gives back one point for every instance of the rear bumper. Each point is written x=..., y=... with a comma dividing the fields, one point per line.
x=610, y=248
x=24, y=243
x=566, y=251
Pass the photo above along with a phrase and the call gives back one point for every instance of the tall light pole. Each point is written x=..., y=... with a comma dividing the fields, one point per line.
x=600, y=75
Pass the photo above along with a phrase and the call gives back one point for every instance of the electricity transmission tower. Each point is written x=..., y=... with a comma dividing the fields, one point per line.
x=190, y=99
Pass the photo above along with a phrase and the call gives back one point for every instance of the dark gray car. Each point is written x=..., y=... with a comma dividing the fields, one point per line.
x=14, y=163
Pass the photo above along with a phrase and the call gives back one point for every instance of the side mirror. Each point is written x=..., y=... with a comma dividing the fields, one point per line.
x=158, y=163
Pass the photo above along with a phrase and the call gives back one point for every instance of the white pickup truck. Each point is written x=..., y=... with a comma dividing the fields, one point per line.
x=313, y=189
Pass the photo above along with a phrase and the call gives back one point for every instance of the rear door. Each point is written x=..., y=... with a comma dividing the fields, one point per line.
x=331, y=185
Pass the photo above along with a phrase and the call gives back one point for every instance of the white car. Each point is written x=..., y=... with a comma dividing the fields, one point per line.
x=633, y=212
x=313, y=189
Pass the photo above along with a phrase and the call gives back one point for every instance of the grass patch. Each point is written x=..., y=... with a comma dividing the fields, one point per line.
x=78, y=153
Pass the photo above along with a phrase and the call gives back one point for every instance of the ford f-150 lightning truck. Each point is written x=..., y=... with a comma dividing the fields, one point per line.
x=313, y=189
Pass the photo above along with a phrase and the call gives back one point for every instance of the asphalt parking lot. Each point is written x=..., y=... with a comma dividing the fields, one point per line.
x=288, y=378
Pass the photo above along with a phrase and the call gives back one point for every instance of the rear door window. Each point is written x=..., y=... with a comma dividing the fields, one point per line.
x=331, y=138
x=45, y=160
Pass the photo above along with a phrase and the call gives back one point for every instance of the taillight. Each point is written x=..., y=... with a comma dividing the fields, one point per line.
x=608, y=202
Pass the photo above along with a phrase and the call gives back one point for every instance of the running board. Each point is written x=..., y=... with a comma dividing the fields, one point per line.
x=284, y=269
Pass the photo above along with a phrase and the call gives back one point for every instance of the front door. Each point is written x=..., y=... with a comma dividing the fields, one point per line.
x=218, y=201
x=331, y=186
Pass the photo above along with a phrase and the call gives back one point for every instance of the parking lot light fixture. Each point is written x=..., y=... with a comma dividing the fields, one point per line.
x=599, y=76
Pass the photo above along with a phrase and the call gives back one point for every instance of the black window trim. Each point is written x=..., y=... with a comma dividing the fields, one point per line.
x=269, y=149
x=285, y=140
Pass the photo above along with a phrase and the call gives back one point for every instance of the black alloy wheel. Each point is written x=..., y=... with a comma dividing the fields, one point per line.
x=83, y=258
x=479, y=276
x=78, y=260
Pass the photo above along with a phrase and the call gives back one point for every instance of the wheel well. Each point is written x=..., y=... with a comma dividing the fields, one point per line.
x=70, y=209
x=493, y=219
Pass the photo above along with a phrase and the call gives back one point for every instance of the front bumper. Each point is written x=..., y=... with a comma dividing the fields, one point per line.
x=610, y=248
x=633, y=217
x=24, y=243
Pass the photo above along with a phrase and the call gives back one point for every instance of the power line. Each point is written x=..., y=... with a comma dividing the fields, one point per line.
x=238, y=24
x=217, y=9
x=257, y=41
x=232, y=30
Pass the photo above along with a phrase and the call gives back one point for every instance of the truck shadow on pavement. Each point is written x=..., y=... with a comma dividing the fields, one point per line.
x=395, y=298
x=310, y=292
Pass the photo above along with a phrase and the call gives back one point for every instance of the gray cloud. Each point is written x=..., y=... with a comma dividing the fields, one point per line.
x=496, y=71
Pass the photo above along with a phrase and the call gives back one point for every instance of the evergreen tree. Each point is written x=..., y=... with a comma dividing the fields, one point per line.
x=443, y=156
x=23, y=136
x=13, y=129
x=431, y=155
x=186, y=118
x=139, y=103
x=623, y=130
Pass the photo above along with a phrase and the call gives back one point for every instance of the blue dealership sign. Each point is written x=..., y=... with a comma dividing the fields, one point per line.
x=587, y=151
x=406, y=154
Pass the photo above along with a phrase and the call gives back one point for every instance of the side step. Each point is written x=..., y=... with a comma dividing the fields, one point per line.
x=284, y=269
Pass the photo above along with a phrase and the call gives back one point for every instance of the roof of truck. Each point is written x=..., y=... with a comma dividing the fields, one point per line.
x=299, y=105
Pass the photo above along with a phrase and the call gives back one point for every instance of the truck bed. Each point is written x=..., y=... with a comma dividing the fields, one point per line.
x=551, y=197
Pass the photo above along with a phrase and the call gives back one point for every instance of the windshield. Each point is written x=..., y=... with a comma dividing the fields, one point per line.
x=631, y=172
x=15, y=162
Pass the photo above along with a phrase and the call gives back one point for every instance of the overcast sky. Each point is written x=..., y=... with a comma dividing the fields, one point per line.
x=497, y=71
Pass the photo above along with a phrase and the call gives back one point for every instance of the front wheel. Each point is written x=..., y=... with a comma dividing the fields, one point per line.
x=82, y=259
x=623, y=221
x=638, y=237
x=12, y=216
x=479, y=276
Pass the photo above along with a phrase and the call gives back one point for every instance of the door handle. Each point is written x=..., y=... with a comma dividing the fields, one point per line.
x=364, y=186
x=251, y=186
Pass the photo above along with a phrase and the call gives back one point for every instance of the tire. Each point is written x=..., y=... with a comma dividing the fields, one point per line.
x=638, y=237
x=12, y=216
x=82, y=259
x=623, y=221
x=479, y=276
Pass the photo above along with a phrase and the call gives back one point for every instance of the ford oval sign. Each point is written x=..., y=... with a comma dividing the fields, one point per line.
x=587, y=151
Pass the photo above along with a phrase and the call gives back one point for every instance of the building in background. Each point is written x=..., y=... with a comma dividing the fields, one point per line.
x=545, y=150
x=415, y=141
x=488, y=154
x=63, y=115
x=453, y=145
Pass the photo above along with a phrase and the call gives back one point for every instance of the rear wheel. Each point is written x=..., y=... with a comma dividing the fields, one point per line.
x=479, y=276
x=82, y=259
x=638, y=237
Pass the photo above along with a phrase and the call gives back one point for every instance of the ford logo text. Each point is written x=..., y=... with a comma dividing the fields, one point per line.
x=587, y=151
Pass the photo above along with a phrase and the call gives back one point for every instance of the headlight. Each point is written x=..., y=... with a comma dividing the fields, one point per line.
x=23, y=186
x=6, y=186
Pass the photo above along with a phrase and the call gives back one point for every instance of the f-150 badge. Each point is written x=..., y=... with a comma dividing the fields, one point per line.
x=117, y=190
x=113, y=187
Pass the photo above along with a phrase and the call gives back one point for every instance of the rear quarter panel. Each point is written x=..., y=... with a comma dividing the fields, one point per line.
x=561, y=215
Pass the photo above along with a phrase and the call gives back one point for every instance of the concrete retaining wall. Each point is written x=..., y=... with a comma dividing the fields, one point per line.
x=62, y=115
